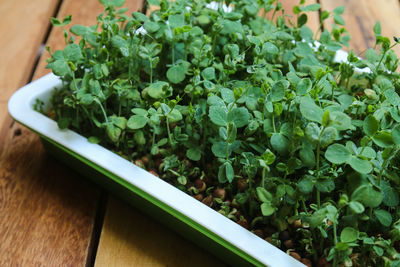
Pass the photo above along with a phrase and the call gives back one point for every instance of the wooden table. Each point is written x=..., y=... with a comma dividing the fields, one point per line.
x=49, y=214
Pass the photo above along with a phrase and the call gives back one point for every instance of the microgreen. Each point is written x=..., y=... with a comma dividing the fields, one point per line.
x=250, y=116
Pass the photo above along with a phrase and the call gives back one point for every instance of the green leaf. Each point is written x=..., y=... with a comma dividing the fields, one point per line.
x=140, y=139
x=383, y=217
x=349, y=235
x=174, y=116
x=194, y=153
x=219, y=149
x=396, y=135
x=328, y=136
x=73, y=52
x=263, y=195
x=218, y=115
x=371, y=125
x=154, y=2
x=392, y=97
x=338, y=19
x=114, y=3
x=377, y=28
x=140, y=111
x=360, y=165
x=79, y=30
x=177, y=20
x=267, y=209
x=137, y=122
x=208, y=73
x=325, y=185
x=176, y=74
x=310, y=110
x=339, y=10
x=60, y=67
x=280, y=143
x=239, y=116
x=306, y=185
x=313, y=132
x=278, y=91
x=368, y=196
x=230, y=174
x=304, y=86
x=356, y=207
x=307, y=156
x=158, y=90
x=113, y=132
x=390, y=195
x=337, y=154
x=270, y=48
x=151, y=26
x=383, y=139
x=227, y=95
x=121, y=44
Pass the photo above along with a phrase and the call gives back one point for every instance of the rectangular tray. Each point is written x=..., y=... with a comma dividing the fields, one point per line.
x=206, y=227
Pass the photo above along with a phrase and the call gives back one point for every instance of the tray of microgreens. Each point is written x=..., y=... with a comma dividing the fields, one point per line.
x=255, y=118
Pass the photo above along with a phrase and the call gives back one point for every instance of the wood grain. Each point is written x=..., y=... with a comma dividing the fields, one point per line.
x=360, y=18
x=130, y=238
x=46, y=210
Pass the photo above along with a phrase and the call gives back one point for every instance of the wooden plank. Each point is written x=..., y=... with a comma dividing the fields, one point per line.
x=130, y=238
x=23, y=25
x=360, y=18
x=47, y=211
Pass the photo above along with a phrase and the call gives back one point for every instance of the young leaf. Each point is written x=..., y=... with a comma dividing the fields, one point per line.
x=337, y=154
x=360, y=165
x=371, y=125
x=267, y=209
x=356, y=207
x=383, y=217
x=349, y=235
x=137, y=122
x=310, y=110
x=218, y=115
x=176, y=74
x=304, y=86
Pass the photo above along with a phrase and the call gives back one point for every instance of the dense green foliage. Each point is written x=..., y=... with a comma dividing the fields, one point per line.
x=250, y=106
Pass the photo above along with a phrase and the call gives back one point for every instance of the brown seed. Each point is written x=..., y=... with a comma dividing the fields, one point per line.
x=140, y=163
x=322, y=262
x=200, y=185
x=259, y=233
x=268, y=231
x=172, y=126
x=295, y=255
x=306, y=262
x=243, y=223
x=199, y=197
x=288, y=243
x=284, y=235
x=188, y=164
x=297, y=224
x=242, y=184
x=268, y=239
x=220, y=193
x=145, y=160
x=208, y=200
x=154, y=172
x=157, y=163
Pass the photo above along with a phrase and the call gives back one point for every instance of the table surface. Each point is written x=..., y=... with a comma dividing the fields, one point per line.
x=49, y=214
